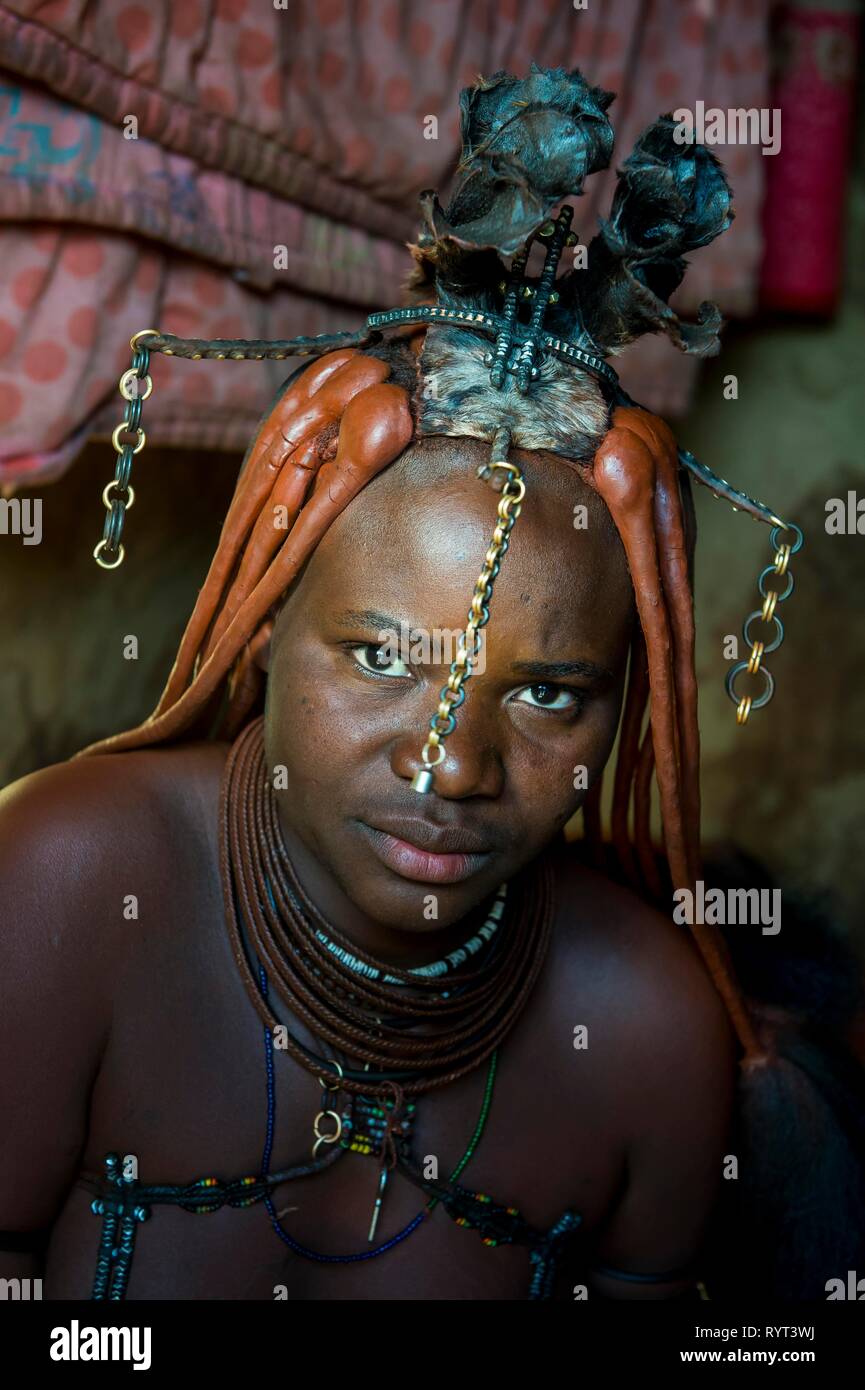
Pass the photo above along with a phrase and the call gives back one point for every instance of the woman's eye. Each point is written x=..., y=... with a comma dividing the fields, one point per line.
x=552, y=697
x=379, y=661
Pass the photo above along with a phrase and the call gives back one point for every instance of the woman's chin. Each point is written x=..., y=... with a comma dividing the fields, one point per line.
x=413, y=907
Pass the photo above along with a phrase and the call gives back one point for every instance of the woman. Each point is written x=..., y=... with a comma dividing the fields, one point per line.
x=308, y=952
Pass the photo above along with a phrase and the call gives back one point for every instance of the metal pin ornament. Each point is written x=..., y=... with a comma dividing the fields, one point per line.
x=453, y=694
x=518, y=350
x=376, y=1211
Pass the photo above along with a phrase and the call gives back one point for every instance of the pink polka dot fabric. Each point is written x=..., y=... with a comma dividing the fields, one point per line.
x=153, y=156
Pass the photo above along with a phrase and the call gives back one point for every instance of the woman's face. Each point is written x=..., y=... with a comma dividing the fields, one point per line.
x=396, y=571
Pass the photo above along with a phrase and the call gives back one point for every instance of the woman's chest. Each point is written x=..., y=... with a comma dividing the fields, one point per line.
x=188, y=1089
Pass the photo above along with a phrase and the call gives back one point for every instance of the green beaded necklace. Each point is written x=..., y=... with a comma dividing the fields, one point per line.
x=370, y=1141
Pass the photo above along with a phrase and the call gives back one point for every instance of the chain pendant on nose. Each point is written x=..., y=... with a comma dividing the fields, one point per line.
x=443, y=721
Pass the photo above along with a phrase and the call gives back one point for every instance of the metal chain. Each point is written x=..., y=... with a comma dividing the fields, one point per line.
x=109, y=552
x=771, y=598
x=453, y=694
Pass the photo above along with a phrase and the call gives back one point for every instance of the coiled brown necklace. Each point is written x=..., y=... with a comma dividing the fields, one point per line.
x=459, y=1020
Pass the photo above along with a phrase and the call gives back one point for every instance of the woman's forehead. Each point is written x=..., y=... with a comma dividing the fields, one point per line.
x=435, y=481
x=413, y=543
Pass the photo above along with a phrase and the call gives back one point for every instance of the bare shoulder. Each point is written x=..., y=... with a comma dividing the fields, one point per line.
x=91, y=783
x=650, y=1005
x=74, y=838
x=656, y=1071
x=65, y=829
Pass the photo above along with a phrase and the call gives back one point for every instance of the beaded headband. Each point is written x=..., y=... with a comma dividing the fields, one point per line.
x=518, y=359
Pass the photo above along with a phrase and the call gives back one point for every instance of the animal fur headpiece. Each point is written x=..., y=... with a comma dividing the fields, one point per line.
x=527, y=145
x=505, y=349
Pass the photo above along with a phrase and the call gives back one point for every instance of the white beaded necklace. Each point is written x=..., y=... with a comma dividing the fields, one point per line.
x=438, y=967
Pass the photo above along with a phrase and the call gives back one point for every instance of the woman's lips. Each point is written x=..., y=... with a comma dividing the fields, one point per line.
x=422, y=865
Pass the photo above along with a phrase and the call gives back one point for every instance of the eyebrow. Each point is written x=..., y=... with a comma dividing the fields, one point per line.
x=544, y=670
x=548, y=670
x=369, y=617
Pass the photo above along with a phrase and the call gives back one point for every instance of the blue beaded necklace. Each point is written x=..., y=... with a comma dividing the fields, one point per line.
x=278, y=1227
x=265, y=1168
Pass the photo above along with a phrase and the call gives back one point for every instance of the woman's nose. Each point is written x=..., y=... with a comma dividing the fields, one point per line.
x=472, y=765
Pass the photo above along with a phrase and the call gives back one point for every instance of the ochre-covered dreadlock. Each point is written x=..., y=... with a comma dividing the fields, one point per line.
x=635, y=471
x=330, y=432
x=333, y=429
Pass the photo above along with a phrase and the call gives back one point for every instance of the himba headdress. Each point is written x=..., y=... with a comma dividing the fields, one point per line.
x=484, y=347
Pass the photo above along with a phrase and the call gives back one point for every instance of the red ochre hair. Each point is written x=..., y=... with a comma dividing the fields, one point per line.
x=338, y=424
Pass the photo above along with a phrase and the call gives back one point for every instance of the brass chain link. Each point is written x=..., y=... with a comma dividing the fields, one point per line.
x=771, y=598
x=453, y=694
x=118, y=502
